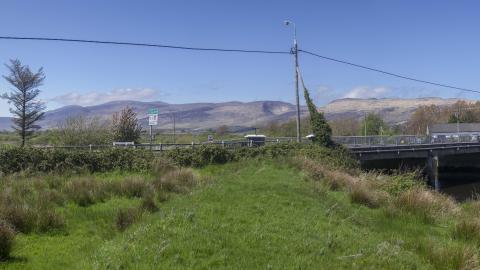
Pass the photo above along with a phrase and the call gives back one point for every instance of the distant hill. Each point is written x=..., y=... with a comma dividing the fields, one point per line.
x=5, y=123
x=392, y=110
x=239, y=114
x=187, y=116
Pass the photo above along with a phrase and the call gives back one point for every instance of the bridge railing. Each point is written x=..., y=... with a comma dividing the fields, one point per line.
x=381, y=140
x=354, y=141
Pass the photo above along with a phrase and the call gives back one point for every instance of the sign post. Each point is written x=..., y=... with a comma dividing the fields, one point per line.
x=152, y=121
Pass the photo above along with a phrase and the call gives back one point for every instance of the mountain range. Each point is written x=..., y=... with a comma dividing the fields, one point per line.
x=239, y=115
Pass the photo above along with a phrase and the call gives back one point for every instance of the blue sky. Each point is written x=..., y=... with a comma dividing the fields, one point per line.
x=432, y=40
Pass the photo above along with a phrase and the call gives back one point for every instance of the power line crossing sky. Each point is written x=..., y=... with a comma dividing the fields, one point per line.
x=431, y=40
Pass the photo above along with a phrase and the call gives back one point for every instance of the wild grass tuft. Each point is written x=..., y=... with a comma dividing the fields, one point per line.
x=21, y=216
x=50, y=220
x=361, y=193
x=425, y=203
x=179, y=181
x=451, y=256
x=126, y=217
x=161, y=166
x=148, y=201
x=7, y=238
x=85, y=191
x=133, y=187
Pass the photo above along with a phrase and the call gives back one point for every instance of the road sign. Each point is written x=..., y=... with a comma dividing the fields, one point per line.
x=152, y=116
x=210, y=138
x=153, y=119
x=152, y=111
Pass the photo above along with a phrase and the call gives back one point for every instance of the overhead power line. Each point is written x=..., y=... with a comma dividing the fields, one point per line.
x=142, y=45
x=236, y=51
x=389, y=73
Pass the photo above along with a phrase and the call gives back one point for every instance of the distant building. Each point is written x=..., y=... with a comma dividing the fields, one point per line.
x=463, y=131
x=255, y=140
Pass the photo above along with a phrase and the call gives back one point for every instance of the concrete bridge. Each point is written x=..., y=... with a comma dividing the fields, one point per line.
x=437, y=159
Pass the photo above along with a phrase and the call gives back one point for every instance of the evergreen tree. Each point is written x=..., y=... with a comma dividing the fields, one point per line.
x=125, y=126
x=27, y=109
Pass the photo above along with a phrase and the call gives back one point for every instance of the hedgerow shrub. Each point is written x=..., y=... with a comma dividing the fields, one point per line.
x=16, y=159
x=200, y=156
x=211, y=154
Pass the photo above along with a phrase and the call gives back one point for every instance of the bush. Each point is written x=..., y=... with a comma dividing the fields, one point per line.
x=126, y=217
x=7, y=237
x=17, y=159
x=200, y=156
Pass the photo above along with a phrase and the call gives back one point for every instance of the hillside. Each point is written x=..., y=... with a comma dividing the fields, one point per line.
x=187, y=116
x=240, y=114
x=392, y=110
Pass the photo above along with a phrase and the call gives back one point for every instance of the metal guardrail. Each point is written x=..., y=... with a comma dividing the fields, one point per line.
x=349, y=141
x=231, y=144
x=361, y=141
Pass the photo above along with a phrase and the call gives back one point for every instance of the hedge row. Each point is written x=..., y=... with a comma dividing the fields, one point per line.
x=336, y=157
x=48, y=160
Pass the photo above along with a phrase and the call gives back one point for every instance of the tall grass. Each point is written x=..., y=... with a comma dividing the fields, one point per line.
x=362, y=193
x=426, y=203
x=85, y=191
x=397, y=192
x=178, y=181
x=126, y=217
x=7, y=236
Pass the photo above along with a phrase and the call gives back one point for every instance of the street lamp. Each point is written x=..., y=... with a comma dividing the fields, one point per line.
x=295, y=54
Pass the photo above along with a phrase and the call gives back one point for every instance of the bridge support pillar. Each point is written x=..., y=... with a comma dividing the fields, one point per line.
x=432, y=167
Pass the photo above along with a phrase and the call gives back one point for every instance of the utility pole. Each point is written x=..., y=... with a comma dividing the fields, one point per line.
x=295, y=54
x=173, y=114
x=365, y=123
x=458, y=123
x=151, y=137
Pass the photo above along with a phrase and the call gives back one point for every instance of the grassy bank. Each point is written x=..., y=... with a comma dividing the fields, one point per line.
x=258, y=216
x=251, y=215
x=279, y=207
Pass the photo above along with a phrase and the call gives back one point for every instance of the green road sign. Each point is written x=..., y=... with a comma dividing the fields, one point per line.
x=153, y=111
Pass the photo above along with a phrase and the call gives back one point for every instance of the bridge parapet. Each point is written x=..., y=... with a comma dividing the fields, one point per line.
x=398, y=140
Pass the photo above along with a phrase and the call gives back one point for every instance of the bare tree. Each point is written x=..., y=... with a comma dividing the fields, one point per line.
x=345, y=127
x=27, y=109
x=221, y=130
x=125, y=126
x=81, y=130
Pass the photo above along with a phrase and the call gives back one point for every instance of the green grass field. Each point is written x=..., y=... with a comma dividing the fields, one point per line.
x=251, y=215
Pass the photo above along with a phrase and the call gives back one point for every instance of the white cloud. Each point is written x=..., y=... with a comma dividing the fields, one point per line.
x=367, y=92
x=94, y=98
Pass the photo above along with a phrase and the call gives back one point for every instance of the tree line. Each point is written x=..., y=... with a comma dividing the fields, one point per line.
x=372, y=124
